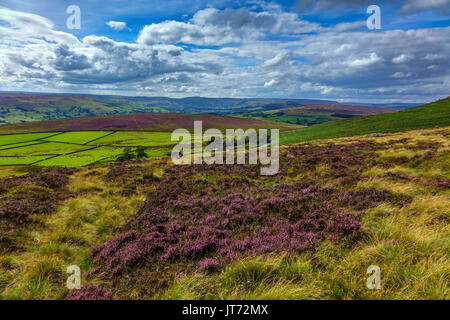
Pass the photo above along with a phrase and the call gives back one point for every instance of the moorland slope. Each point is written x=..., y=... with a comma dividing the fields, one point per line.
x=161, y=122
x=153, y=230
x=427, y=116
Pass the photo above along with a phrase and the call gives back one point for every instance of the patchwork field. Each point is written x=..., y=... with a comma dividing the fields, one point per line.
x=78, y=148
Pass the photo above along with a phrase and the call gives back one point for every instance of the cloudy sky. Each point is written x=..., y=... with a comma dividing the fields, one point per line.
x=286, y=49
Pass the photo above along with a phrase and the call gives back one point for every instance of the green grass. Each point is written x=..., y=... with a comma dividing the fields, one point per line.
x=146, y=139
x=82, y=158
x=422, y=117
x=19, y=138
x=78, y=137
x=22, y=144
x=70, y=148
x=43, y=149
x=11, y=161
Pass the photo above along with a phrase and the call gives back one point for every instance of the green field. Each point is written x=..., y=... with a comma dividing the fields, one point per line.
x=78, y=137
x=146, y=139
x=19, y=138
x=79, y=159
x=78, y=148
x=25, y=160
x=45, y=148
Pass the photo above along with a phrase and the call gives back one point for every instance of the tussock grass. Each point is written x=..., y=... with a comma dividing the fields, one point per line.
x=33, y=261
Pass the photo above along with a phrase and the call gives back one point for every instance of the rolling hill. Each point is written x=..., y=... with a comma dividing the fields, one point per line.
x=25, y=107
x=311, y=114
x=427, y=116
x=162, y=122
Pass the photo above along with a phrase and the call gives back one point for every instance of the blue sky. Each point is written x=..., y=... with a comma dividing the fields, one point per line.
x=287, y=49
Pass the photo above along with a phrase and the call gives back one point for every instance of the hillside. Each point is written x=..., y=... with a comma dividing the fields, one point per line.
x=24, y=107
x=162, y=122
x=427, y=116
x=311, y=114
x=153, y=230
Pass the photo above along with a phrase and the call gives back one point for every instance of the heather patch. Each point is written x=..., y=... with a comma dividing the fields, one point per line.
x=444, y=184
x=203, y=217
x=90, y=292
x=33, y=194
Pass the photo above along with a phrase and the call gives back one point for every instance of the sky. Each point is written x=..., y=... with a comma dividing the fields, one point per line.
x=282, y=49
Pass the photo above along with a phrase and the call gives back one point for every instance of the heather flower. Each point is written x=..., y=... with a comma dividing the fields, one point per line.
x=208, y=264
x=438, y=183
x=90, y=291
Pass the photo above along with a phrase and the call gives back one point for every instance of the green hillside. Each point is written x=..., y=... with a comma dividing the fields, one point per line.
x=427, y=116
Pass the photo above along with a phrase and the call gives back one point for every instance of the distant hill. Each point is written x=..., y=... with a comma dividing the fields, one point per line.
x=311, y=114
x=392, y=105
x=427, y=116
x=161, y=122
x=24, y=107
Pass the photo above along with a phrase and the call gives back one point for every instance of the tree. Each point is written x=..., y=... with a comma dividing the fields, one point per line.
x=125, y=155
x=140, y=153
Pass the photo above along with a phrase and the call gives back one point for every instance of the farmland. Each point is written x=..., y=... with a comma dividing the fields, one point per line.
x=78, y=148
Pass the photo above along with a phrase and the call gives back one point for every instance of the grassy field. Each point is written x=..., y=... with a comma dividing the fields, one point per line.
x=426, y=116
x=78, y=137
x=147, y=139
x=20, y=138
x=405, y=234
x=78, y=148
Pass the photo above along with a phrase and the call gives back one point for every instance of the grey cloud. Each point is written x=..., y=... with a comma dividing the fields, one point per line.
x=442, y=6
x=68, y=60
x=316, y=5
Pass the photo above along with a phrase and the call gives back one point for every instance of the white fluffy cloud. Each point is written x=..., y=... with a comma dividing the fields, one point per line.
x=365, y=62
x=215, y=27
x=116, y=25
